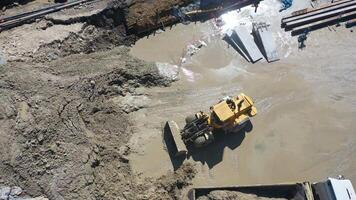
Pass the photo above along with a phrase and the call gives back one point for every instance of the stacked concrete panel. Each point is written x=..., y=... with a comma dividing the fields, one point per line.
x=265, y=41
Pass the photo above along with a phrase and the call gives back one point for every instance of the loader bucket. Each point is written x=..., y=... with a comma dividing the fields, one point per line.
x=173, y=139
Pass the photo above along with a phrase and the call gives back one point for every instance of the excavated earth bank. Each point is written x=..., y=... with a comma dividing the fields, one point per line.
x=63, y=133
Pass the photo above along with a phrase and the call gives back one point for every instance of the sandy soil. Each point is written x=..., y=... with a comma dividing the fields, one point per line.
x=306, y=106
x=65, y=125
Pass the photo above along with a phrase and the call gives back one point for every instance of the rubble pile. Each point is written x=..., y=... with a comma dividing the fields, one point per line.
x=229, y=195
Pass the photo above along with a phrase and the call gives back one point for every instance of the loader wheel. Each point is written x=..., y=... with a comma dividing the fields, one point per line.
x=204, y=140
x=200, y=142
x=190, y=118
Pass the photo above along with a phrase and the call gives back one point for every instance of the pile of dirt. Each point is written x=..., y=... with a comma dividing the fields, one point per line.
x=233, y=195
x=61, y=125
x=144, y=16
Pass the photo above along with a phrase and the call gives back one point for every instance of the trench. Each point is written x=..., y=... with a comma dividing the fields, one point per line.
x=305, y=104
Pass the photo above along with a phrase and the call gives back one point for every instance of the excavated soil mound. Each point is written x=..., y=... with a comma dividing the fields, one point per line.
x=63, y=136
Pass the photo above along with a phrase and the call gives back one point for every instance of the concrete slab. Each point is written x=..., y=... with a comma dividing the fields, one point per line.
x=228, y=38
x=244, y=39
x=172, y=128
x=265, y=41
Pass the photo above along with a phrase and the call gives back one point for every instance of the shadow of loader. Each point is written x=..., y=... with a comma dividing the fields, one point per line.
x=211, y=154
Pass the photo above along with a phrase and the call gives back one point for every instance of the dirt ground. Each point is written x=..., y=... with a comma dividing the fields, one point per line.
x=63, y=124
x=81, y=116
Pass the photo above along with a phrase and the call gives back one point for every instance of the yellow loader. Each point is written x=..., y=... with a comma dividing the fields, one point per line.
x=228, y=115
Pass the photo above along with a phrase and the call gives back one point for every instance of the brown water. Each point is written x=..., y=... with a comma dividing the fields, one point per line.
x=305, y=127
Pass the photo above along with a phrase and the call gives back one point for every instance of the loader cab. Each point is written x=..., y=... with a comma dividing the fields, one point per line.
x=334, y=189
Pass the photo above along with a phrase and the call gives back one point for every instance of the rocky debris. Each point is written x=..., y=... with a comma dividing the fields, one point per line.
x=233, y=195
x=15, y=193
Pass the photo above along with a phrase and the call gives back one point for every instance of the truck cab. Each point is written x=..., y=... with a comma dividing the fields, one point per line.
x=334, y=189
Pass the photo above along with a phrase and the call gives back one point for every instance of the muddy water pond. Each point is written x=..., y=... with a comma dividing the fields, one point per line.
x=305, y=128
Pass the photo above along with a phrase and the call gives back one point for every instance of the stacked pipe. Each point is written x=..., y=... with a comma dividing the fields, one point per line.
x=16, y=20
x=311, y=19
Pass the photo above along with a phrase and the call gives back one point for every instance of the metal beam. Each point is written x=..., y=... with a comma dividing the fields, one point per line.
x=315, y=18
x=5, y=19
x=324, y=23
x=33, y=15
x=311, y=10
x=317, y=12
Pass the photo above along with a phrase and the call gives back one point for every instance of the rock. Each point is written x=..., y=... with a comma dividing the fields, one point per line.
x=23, y=111
x=40, y=138
x=10, y=112
x=43, y=24
x=15, y=191
x=92, y=83
x=130, y=103
x=52, y=56
x=124, y=150
x=89, y=30
x=124, y=159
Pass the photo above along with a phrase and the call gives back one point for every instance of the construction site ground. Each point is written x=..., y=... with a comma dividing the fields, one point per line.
x=306, y=105
x=81, y=111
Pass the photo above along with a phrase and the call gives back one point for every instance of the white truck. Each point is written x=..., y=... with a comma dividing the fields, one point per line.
x=331, y=189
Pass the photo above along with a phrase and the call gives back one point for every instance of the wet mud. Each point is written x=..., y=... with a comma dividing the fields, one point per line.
x=303, y=130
